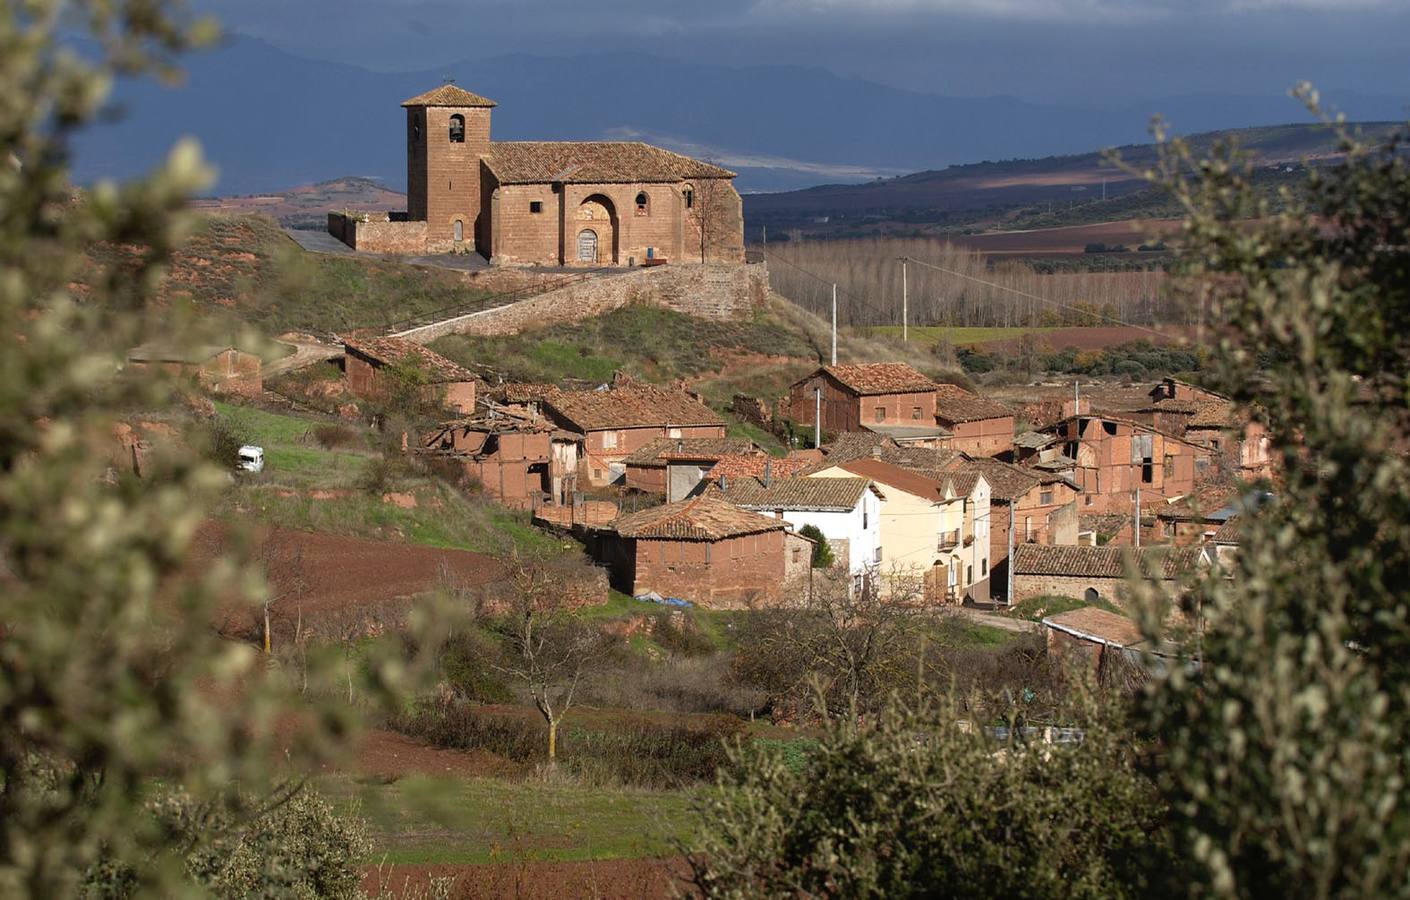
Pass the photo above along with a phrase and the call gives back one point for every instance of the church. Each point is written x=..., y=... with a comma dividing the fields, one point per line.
x=550, y=203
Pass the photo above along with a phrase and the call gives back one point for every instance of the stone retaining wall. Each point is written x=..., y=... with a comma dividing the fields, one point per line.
x=722, y=292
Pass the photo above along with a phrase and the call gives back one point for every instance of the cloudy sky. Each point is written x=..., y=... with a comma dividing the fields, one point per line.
x=1073, y=52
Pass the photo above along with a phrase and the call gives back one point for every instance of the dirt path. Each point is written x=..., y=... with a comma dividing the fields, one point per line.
x=1021, y=626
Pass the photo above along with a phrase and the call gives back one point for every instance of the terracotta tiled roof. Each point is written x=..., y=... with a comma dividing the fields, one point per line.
x=390, y=351
x=1091, y=622
x=928, y=461
x=820, y=494
x=592, y=162
x=1231, y=532
x=896, y=477
x=955, y=404
x=636, y=406
x=448, y=95
x=703, y=518
x=1213, y=414
x=521, y=392
x=1006, y=482
x=660, y=450
x=752, y=466
x=857, y=445
x=1100, y=562
x=879, y=378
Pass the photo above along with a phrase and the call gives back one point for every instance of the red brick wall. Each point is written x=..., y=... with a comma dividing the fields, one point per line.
x=1107, y=476
x=597, y=458
x=730, y=573
x=451, y=184
x=986, y=437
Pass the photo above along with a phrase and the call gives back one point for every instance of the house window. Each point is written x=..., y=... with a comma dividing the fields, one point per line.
x=673, y=432
x=856, y=584
x=689, y=195
x=797, y=555
x=864, y=518
x=457, y=129
x=1091, y=595
x=596, y=474
x=1169, y=466
x=915, y=412
x=1147, y=472
x=969, y=574
x=416, y=131
x=1109, y=427
x=881, y=414
x=609, y=440
x=1045, y=497
x=535, y=206
x=876, y=557
x=983, y=568
x=643, y=204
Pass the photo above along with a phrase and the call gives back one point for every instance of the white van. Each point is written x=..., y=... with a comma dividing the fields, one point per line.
x=251, y=459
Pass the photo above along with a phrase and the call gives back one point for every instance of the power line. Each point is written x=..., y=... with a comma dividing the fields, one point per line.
x=1048, y=300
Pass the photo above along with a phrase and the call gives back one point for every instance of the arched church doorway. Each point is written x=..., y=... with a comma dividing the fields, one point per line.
x=596, y=238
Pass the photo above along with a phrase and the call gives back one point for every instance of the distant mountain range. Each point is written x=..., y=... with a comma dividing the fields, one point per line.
x=271, y=120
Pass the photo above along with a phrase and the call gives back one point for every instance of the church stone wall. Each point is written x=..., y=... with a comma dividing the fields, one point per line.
x=379, y=236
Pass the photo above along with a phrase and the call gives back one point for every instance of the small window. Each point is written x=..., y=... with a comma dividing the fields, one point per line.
x=797, y=554
x=1169, y=466
x=1028, y=528
x=643, y=204
x=1147, y=473
x=1045, y=497
x=915, y=412
x=535, y=206
x=881, y=414
x=597, y=474
x=689, y=195
x=415, y=131
x=969, y=574
x=673, y=432
x=459, y=229
x=983, y=567
x=1109, y=427
x=609, y=440
x=876, y=557
x=1091, y=596
x=864, y=518
x=457, y=129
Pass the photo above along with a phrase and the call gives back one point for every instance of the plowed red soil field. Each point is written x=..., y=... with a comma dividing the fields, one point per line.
x=614, y=878
x=1070, y=240
x=1094, y=338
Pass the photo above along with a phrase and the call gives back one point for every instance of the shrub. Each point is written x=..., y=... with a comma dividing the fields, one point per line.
x=822, y=550
x=331, y=436
x=224, y=438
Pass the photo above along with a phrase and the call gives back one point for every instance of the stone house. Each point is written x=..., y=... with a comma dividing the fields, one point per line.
x=704, y=550
x=522, y=462
x=366, y=361
x=890, y=399
x=618, y=421
x=933, y=530
x=588, y=203
x=979, y=426
x=220, y=370
x=675, y=466
x=846, y=510
x=1109, y=457
x=1092, y=573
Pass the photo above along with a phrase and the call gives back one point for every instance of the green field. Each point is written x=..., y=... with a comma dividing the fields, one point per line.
x=482, y=820
x=930, y=335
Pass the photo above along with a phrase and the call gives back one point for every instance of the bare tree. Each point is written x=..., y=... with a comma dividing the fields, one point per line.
x=550, y=651
x=286, y=582
x=708, y=209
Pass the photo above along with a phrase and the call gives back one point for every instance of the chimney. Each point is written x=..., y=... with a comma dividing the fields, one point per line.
x=876, y=452
x=722, y=484
x=768, y=472
x=680, y=445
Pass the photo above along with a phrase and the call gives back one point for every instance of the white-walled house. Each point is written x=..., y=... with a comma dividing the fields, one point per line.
x=846, y=510
x=937, y=529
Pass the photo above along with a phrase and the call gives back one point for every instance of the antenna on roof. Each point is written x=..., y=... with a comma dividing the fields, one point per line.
x=449, y=80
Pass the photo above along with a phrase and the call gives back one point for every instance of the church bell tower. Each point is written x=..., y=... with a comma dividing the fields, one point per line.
x=447, y=134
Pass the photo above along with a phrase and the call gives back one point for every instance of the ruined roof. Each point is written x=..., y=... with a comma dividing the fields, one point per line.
x=521, y=392
x=181, y=353
x=955, y=404
x=878, y=378
x=449, y=95
x=592, y=162
x=753, y=465
x=636, y=406
x=896, y=477
x=1033, y=440
x=658, y=452
x=1096, y=624
x=1006, y=482
x=703, y=518
x=1100, y=562
x=1213, y=414
x=815, y=494
x=390, y=351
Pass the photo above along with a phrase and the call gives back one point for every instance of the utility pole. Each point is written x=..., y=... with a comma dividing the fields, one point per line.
x=1138, y=513
x=1008, y=596
x=817, y=417
x=1076, y=397
x=834, y=323
x=766, y=235
x=905, y=303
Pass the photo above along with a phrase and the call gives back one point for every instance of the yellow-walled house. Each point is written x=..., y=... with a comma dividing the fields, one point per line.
x=936, y=530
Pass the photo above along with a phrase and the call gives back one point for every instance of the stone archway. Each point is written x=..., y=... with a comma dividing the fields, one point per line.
x=593, y=239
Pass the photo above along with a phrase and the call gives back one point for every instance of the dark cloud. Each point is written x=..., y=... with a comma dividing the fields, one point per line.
x=1077, y=52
